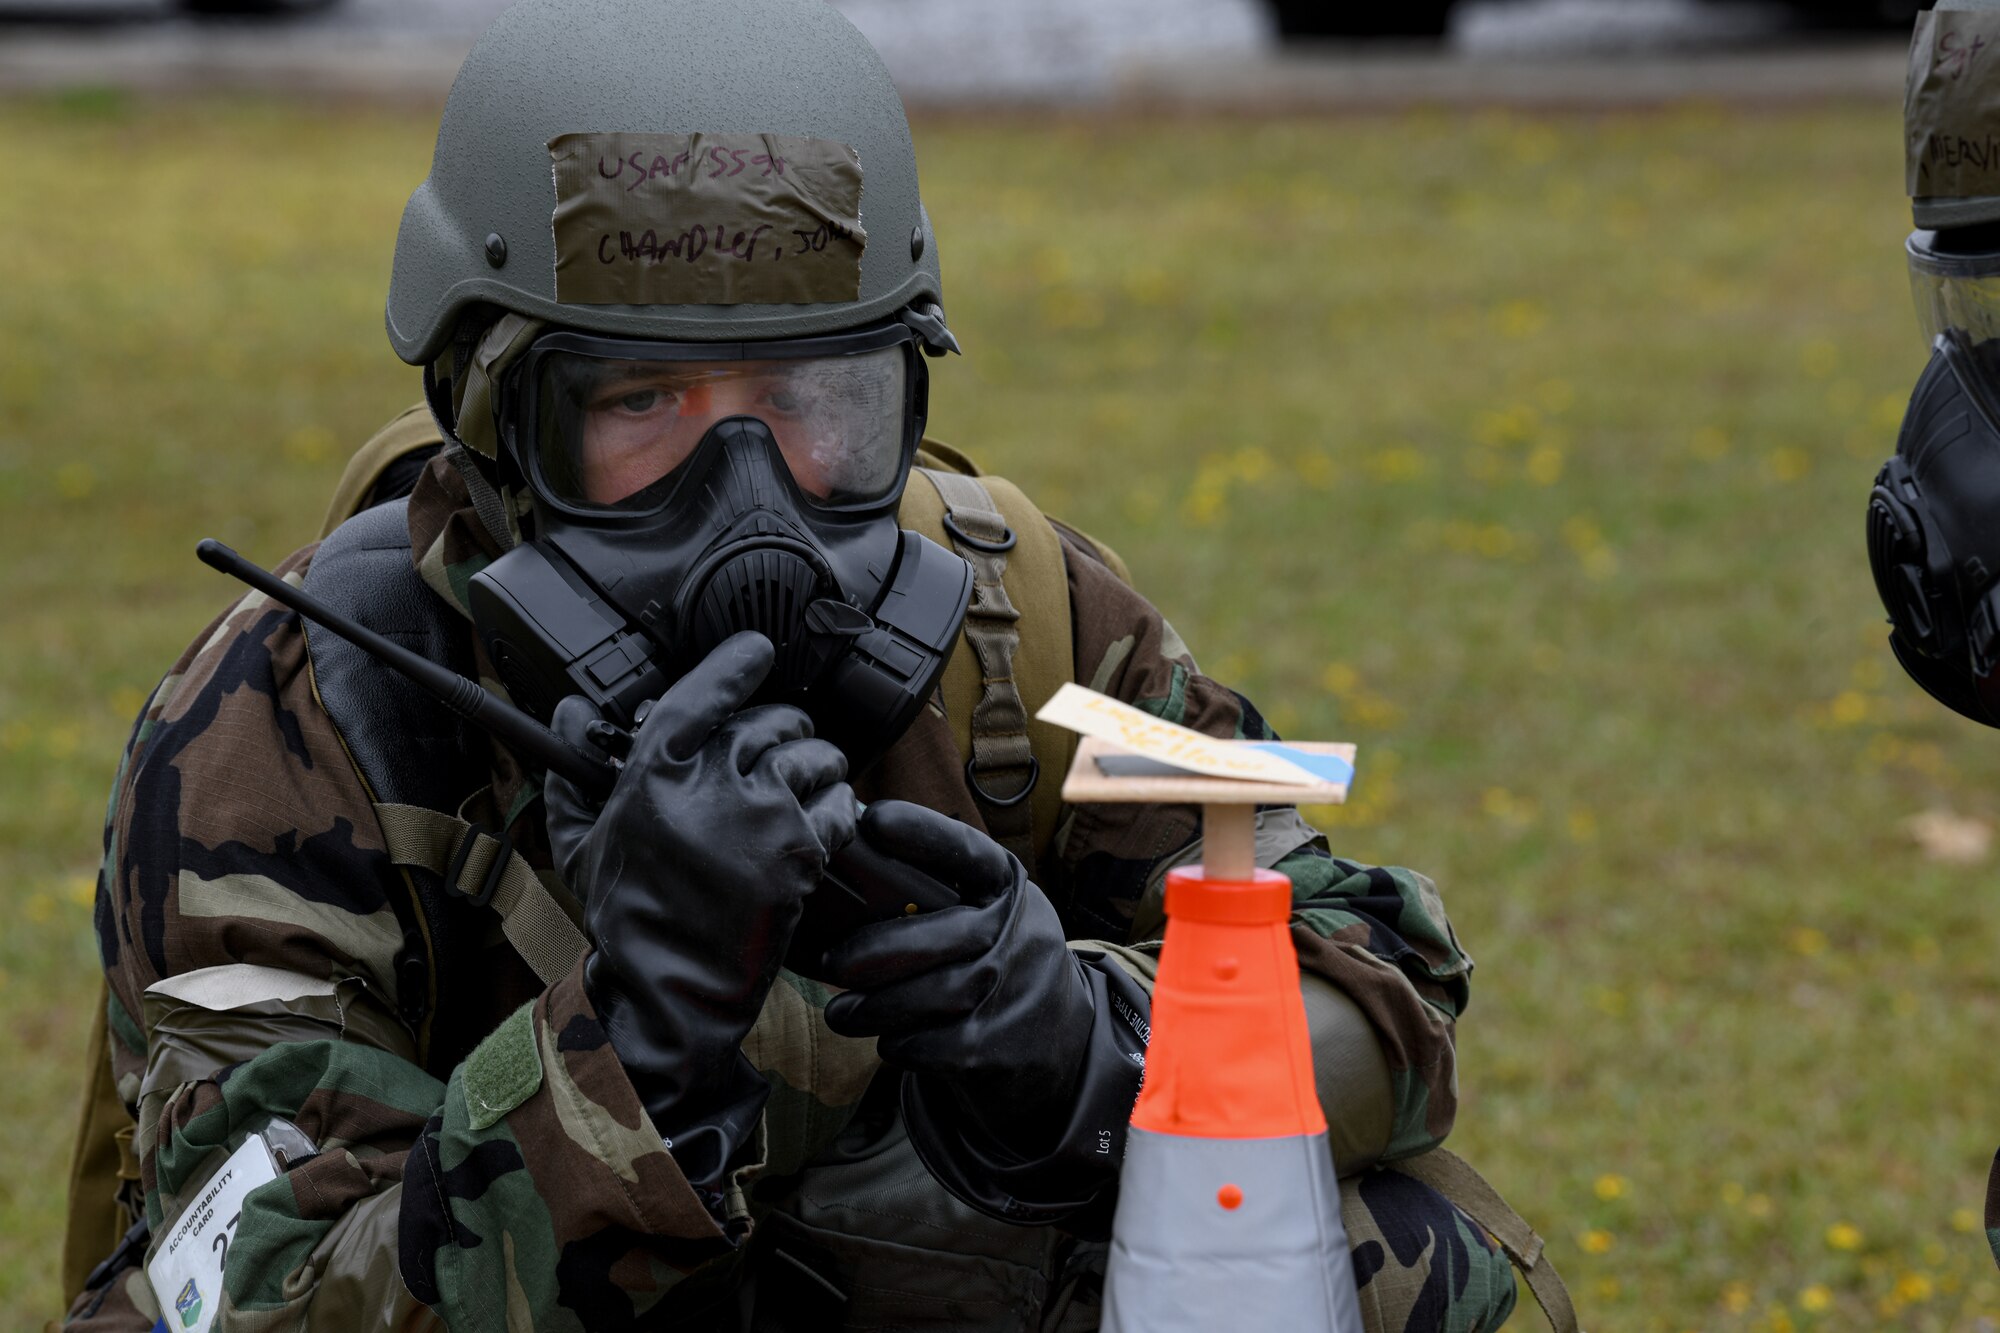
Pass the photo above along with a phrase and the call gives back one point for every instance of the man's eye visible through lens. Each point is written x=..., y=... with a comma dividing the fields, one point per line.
x=640, y=400
x=785, y=400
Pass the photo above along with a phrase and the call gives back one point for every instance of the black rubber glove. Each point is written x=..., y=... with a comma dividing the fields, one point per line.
x=692, y=876
x=1023, y=1056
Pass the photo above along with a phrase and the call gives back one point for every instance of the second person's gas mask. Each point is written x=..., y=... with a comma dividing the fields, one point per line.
x=687, y=491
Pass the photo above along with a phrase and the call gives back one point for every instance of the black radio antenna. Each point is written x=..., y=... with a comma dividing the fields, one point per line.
x=467, y=698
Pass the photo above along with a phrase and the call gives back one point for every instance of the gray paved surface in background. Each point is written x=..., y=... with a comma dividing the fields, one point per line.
x=1209, y=52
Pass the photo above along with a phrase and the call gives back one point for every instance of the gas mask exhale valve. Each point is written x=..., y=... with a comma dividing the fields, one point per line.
x=616, y=604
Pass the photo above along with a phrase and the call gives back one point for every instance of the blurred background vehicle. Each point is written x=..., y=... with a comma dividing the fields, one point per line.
x=1306, y=20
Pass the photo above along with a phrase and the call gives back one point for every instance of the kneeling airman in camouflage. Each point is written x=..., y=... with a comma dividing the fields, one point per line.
x=414, y=1036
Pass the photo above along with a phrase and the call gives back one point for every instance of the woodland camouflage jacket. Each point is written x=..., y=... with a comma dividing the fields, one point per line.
x=492, y=1161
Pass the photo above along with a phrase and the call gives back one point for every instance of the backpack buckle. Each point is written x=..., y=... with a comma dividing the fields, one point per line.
x=494, y=873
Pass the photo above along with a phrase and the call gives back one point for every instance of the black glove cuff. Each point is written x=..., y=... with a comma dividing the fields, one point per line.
x=1072, y=1174
x=704, y=1118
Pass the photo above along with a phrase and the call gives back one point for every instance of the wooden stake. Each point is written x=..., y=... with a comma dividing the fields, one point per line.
x=1228, y=841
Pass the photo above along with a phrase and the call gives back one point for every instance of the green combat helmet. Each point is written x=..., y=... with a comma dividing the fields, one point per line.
x=478, y=231
x=1951, y=115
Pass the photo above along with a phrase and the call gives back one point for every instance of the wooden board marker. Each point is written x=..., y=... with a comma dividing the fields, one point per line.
x=1229, y=805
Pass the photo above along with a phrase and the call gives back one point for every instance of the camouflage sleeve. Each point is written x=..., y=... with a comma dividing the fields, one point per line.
x=1378, y=934
x=249, y=921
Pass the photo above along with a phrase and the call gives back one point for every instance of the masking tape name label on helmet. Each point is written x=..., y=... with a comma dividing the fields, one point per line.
x=706, y=219
x=1951, y=109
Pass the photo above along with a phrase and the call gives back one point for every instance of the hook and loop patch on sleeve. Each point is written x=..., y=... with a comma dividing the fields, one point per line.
x=706, y=219
x=504, y=1070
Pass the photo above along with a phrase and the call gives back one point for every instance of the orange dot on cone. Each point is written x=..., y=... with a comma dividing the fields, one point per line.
x=1229, y=1196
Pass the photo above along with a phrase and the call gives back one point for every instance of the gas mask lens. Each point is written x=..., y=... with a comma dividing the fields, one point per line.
x=1956, y=284
x=612, y=432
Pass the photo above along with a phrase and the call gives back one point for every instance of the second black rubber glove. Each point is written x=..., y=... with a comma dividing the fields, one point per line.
x=692, y=878
x=1023, y=1055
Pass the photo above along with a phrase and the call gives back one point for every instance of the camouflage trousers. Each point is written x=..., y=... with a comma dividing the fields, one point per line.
x=1421, y=1264
x=903, y=1255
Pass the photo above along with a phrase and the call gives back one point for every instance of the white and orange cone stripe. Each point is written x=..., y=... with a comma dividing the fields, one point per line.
x=1228, y=1211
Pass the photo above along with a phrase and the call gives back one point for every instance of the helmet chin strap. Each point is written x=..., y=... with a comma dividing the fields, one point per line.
x=487, y=501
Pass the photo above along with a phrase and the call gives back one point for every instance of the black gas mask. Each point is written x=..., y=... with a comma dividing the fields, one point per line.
x=1934, y=514
x=1934, y=530
x=685, y=492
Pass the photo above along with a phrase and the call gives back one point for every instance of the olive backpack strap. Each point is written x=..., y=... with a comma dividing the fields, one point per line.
x=1000, y=676
x=1452, y=1176
x=479, y=864
x=103, y=1167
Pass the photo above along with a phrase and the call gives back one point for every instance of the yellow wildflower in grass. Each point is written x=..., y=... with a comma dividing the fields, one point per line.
x=40, y=908
x=1887, y=414
x=64, y=740
x=1709, y=443
x=83, y=890
x=1250, y=464
x=1807, y=940
x=1398, y=463
x=1316, y=470
x=1849, y=708
x=1339, y=679
x=126, y=702
x=1511, y=425
x=1779, y=1320
x=1815, y=1299
x=1735, y=1297
x=1503, y=805
x=1732, y=1193
x=1200, y=508
x=1608, y=1187
x=1964, y=1221
x=1845, y=1236
x=1545, y=465
x=1582, y=826
x=1595, y=1240
x=1610, y=1001
x=76, y=481
x=1608, y=1288
x=1520, y=319
x=1788, y=463
x=1759, y=1206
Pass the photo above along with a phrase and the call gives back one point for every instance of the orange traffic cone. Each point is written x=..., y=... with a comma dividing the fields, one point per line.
x=1228, y=1211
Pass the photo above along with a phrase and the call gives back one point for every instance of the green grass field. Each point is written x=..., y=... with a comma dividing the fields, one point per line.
x=1528, y=453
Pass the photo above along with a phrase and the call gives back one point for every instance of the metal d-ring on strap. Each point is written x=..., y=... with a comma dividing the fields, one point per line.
x=1004, y=802
x=1000, y=748
x=962, y=537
